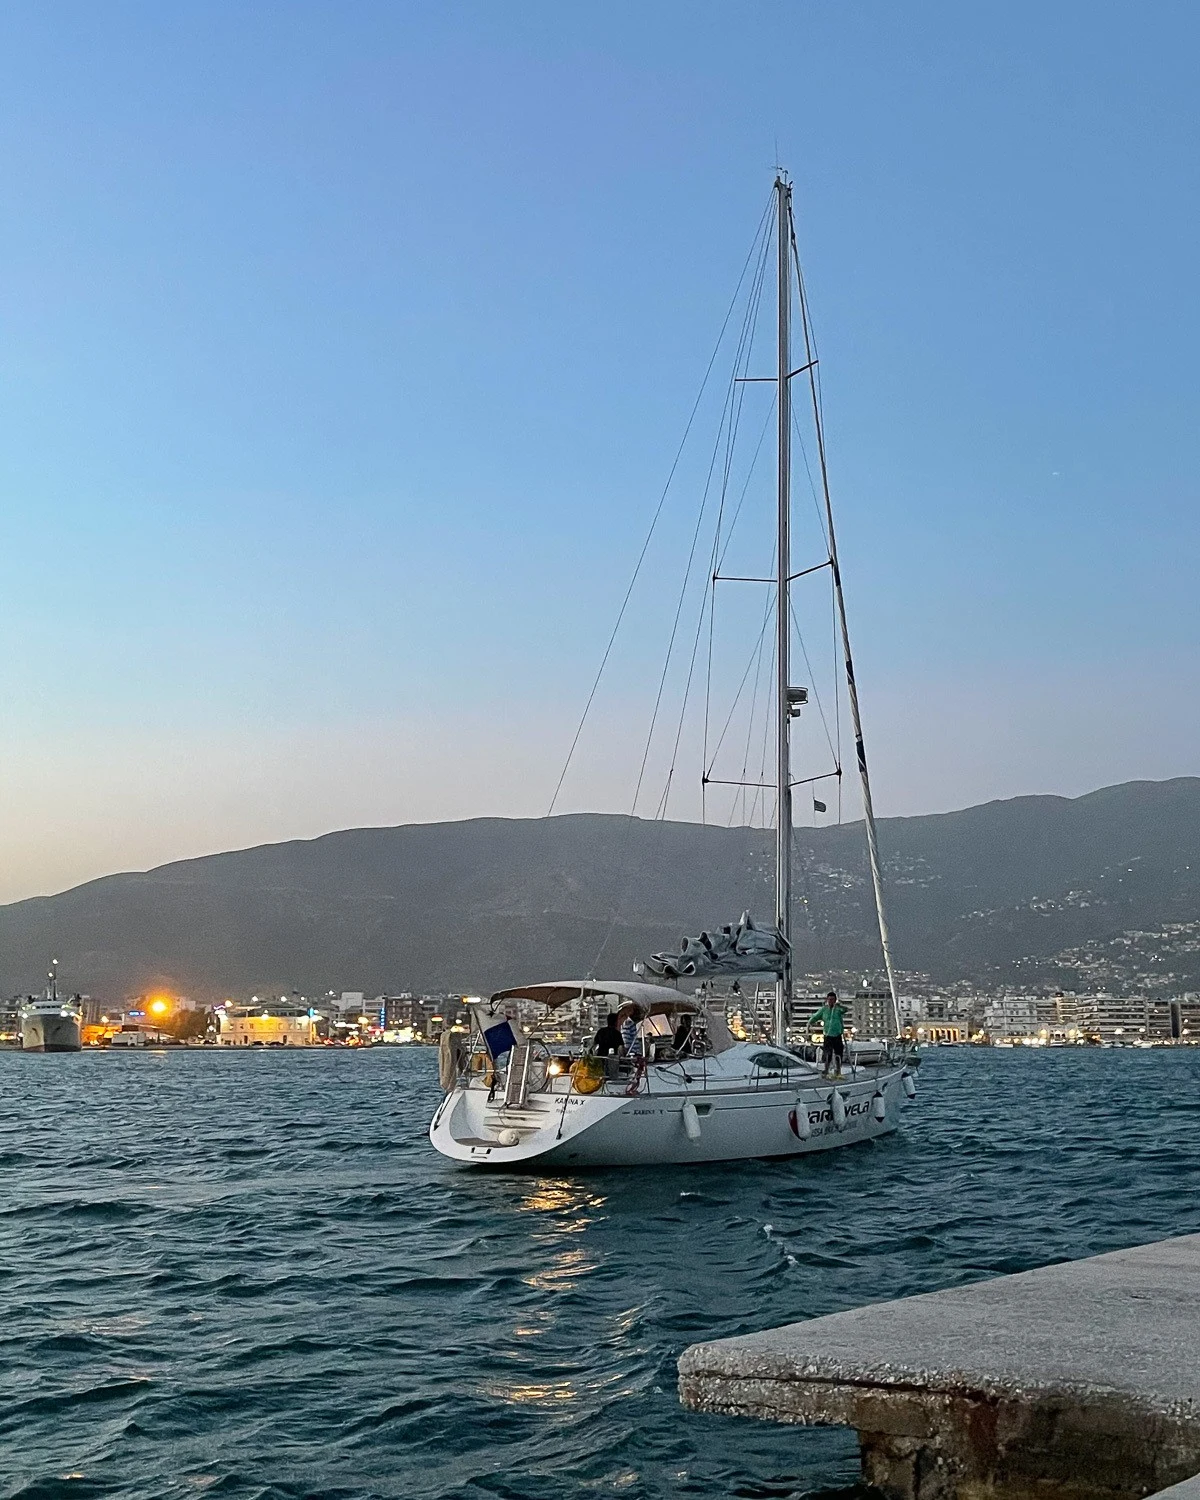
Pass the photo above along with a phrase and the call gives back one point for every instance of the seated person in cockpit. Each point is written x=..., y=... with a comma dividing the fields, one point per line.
x=682, y=1040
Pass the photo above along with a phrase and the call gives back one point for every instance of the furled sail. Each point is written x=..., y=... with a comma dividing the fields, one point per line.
x=740, y=948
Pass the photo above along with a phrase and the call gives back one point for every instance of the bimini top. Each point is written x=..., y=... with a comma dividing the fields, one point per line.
x=659, y=996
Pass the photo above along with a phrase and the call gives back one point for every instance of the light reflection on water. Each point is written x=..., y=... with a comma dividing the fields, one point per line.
x=252, y=1275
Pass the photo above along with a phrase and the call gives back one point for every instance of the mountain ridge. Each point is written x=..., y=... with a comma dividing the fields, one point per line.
x=1022, y=888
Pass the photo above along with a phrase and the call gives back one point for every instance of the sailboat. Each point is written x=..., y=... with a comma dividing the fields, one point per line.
x=683, y=1088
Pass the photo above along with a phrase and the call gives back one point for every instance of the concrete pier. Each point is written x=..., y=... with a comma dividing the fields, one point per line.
x=1078, y=1381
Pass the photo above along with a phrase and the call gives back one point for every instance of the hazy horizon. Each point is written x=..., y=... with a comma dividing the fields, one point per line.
x=344, y=353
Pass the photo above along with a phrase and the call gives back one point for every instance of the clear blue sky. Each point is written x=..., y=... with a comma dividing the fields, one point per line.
x=344, y=349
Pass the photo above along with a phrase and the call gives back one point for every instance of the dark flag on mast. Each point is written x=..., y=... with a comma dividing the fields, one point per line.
x=819, y=806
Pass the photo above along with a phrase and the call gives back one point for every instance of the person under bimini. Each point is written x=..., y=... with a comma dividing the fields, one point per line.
x=832, y=1020
x=631, y=1014
x=607, y=1041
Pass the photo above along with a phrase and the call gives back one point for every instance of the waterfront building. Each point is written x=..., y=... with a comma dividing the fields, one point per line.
x=10, y=1022
x=274, y=1024
x=1174, y=1020
x=1115, y=1018
x=871, y=1013
x=399, y=1011
x=969, y=1009
x=1010, y=1017
x=1049, y=1013
x=937, y=1031
x=912, y=1008
x=1189, y=1017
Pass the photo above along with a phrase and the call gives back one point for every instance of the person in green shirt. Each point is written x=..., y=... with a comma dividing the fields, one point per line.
x=831, y=1018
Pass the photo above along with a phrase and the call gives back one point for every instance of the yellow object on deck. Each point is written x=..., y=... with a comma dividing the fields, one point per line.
x=587, y=1074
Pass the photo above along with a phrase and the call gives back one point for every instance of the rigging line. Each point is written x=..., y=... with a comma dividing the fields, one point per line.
x=812, y=483
x=764, y=227
x=736, y=700
x=729, y=415
x=687, y=689
x=749, y=476
x=687, y=578
x=767, y=722
x=615, y=906
x=742, y=361
x=766, y=741
x=738, y=694
x=813, y=369
x=750, y=327
x=825, y=518
x=709, y=598
x=662, y=681
x=752, y=719
x=751, y=722
x=847, y=657
x=734, y=404
x=744, y=353
x=810, y=335
x=837, y=685
x=812, y=677
x=712, y=612
x=755, y=300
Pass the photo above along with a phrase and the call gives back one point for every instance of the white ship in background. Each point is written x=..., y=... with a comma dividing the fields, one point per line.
x=51, y=1022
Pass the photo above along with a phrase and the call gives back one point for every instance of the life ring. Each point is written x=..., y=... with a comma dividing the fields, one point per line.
x=587, y=1074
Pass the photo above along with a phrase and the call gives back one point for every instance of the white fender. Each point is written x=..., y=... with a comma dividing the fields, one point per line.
x=837, y=1104
x=798, y=1120
x=691, y=1120
x=879, y=1107
x=910, y=1086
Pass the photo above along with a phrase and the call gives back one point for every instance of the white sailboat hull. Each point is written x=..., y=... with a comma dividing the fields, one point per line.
x=652, y=1129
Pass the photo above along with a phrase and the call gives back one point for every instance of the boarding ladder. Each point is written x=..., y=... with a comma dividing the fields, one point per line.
x=516, y=1084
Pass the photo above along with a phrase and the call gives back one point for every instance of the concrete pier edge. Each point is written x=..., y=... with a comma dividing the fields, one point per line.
x=1079, y=1380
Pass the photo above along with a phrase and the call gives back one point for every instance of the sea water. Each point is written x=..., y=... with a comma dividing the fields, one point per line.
x=247, y=1273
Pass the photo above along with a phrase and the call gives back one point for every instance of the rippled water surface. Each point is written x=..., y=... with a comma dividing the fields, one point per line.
x=247, y=1274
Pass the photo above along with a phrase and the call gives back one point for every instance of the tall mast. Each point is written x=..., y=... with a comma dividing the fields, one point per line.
x=783, y=768
x=860, y=751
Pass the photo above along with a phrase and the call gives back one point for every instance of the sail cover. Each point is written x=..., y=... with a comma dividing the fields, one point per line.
x=740, y=948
